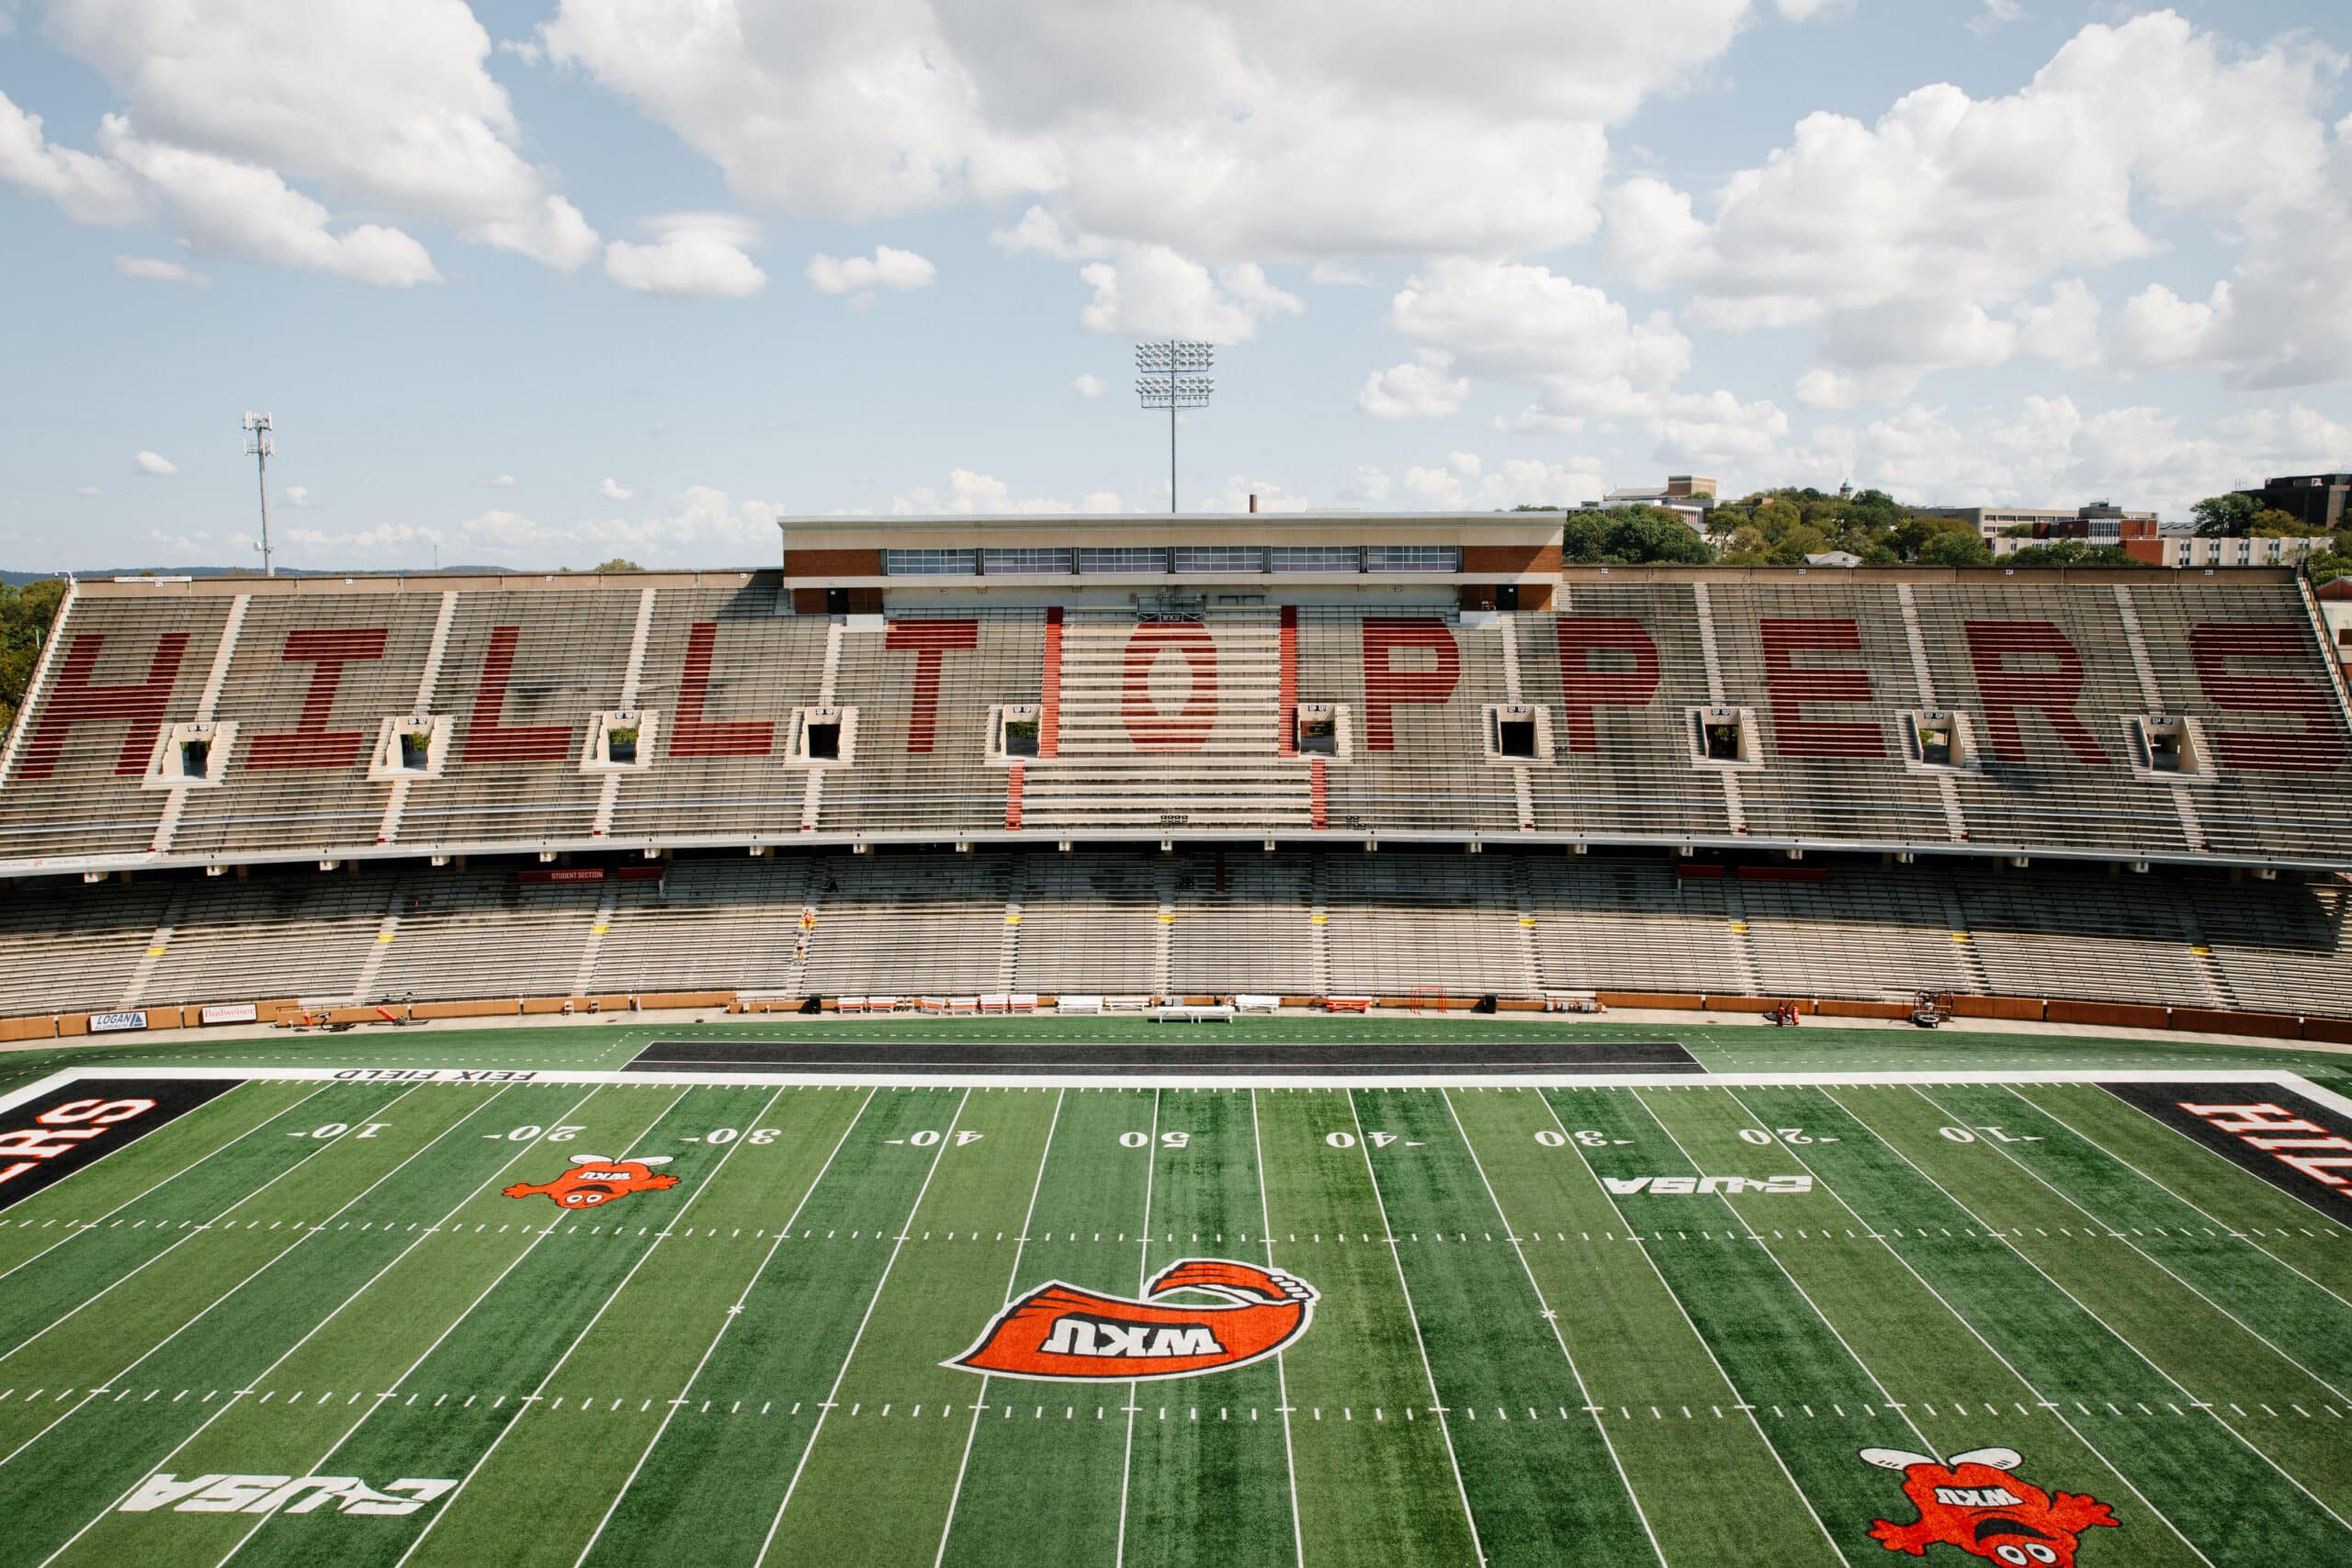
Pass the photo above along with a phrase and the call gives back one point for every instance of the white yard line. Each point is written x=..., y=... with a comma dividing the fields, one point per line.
x=523, y=1407
x=1282, y=1372
x=1143, y=1272
x=1995, y=1232
x=1437, y=1402
x=1012, y=1284
x=1739, y=1397
x=231, y=1403
x=732, y=1313
x=2084, y=1209
x=1885, y=1396
x=190, y=1233
x=2040, y=1399
x=946, y=1141
x=165, y=1182
x=1584, y=1394
x=2232, y=1231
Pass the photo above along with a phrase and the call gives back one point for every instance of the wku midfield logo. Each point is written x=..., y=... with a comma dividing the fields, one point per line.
x=1976, y=1503
x=598, y=1178
x=1060, y=1333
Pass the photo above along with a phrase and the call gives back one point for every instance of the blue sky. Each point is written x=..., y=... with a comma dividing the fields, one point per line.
x=540, y=283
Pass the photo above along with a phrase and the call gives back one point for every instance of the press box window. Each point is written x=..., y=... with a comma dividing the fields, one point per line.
x=823, y=738
x=928, y=563
x=2169, y=750
x=1247, y=558
x=1316, y=558
x=1128, y=559
x=1723, y=738
x=1517, y=732
x=1412, y=558
x=1026, y=562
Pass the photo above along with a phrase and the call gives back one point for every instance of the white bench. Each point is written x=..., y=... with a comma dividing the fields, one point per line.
x=1189, y=1013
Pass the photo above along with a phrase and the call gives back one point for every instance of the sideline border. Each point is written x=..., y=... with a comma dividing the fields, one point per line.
x=2292, y=1081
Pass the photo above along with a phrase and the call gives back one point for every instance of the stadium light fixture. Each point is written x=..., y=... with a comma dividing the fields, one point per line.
x=258, y=447
x=1169, y=377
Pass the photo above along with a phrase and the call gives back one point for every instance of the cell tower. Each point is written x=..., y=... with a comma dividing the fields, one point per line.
x=258, y=447
x=1166, y=382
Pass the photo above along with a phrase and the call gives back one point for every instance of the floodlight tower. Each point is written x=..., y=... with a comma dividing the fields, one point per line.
x=258, y=448
x=1167, y=382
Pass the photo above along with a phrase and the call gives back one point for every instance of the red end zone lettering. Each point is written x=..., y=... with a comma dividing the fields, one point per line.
x=49, y=1138
x=2288, y=1141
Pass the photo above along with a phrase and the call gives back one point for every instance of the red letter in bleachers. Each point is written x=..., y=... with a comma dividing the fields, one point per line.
x=2316, y=746
x=1792, y=685
x=310, y=744
x=930, y=642
x=488, y=738
x=2053, y=693
x=73, y=700
x=1584, y=688
x=695, y=736
x=1386, y=686
x=1189, y=728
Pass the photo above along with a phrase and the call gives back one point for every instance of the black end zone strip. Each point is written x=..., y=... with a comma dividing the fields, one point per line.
x=49, y=1138
x=2296, y=1145
x=1100, y=1059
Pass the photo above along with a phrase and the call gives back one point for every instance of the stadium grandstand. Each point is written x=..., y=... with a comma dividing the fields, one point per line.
x=1383, y=760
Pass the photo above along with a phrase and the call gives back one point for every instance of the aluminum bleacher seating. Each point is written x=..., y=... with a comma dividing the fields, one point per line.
x=1244, y=922
x=2187, y=721
x=1178, y=729
x=910, y=925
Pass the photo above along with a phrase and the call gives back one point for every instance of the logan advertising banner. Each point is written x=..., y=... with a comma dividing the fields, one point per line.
x=107, y=1022
x=230, y=1012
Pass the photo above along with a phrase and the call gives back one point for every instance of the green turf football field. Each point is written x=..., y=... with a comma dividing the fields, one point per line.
x=303, y=1323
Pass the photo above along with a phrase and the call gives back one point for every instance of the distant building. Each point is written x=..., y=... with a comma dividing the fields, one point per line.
x=2192, y=552
x=1688, y=496
x=1834, y=558
x=2180, y=551
x=2101, y=523
x=2316, y=500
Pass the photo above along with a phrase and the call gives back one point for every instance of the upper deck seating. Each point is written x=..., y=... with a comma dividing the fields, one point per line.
x=2133, y=716
x=116, y=670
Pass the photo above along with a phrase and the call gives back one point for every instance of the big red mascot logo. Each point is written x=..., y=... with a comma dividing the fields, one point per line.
x=1060, y=1333
x=597, y=1178
x=1977, y=1503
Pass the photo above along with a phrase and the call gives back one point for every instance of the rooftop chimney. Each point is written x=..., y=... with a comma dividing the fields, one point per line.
x=1253, y=501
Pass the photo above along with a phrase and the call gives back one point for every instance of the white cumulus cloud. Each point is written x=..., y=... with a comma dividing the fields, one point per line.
x=611, y=491
x=153, y=270
x=1919, y=241
x=693, y=255
x=889, y=267
x=1412, y=391
x=154, y=465
x=234, y=103
x=1091, y=385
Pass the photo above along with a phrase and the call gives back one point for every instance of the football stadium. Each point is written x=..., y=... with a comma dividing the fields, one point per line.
x=1320, y=1039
